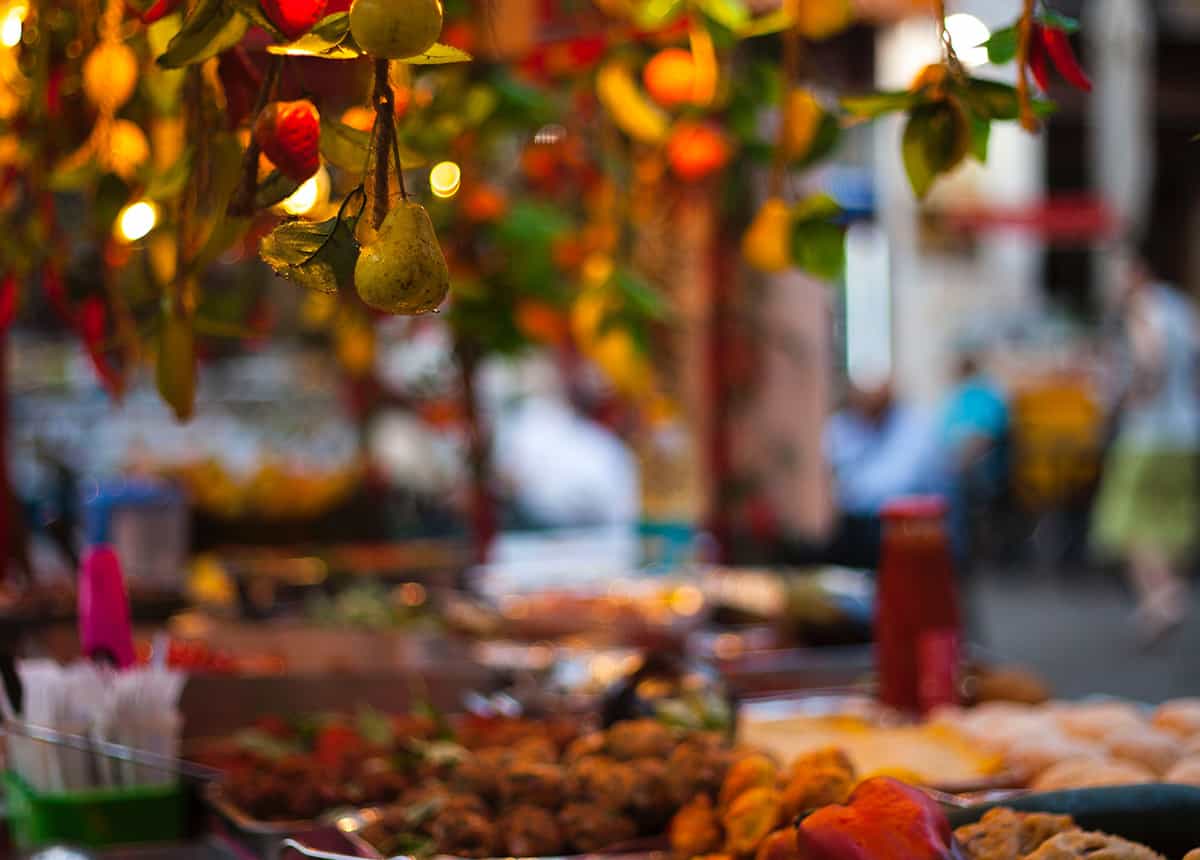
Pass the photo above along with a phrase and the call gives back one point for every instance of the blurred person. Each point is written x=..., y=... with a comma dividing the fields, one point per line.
x=562, y=469
x=975, y=435
x=1147, y=507
x=879, y=449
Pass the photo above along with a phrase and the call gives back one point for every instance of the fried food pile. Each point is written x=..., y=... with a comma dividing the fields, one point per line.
x=748, y=813
x=538, y=797
x=1003, y=834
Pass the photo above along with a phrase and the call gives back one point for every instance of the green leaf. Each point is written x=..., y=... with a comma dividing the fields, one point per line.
x=437, y=55
x=171, y=182
x=733, y=15
x=1044, y=107
x=213, y=27
x=326, y=40
x=479, y=104
x=819, y=248
x=981, y=133
x=827, y=137
x=1002, y=46
x=655, y=14
x=319, y=256
x=991, y=99
x=274, y=189
x=816, y=207
x=936, y=138
x=343, y=146
x=774, y=22
x=641, y=300
x=76, y=177
x=254, y=14
x=1058, y=21
x=877, y=104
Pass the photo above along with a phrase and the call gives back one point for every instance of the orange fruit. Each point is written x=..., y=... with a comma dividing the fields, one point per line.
x=541, y=322
x=670, y=77
x=697, y=150
x=484, y=203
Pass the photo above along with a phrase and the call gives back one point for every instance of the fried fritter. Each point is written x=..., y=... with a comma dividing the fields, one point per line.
x=532, y=782
x=1003, y=834
x=530, y=831
x=747, y=771
x=697, y=766
x=602, y=781
x=640, y=739
x=695, y=829
x=750, y=818
x=1092, y=846
x=466, y=834
x=593, y=743
x=816, y=787
x=589, y=828
x=780, y=845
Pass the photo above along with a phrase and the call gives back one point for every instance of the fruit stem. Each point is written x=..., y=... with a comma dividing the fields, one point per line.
x=791, y=70
x=385, y=143
x=1024, y=46
x=243, y=201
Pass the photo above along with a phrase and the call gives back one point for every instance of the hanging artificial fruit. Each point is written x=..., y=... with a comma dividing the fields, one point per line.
x=670, y=77
x=402, y=269
x=289, y=134
x=767, y=244
x=395, y=29
x=1053, y=45
x=294, y=18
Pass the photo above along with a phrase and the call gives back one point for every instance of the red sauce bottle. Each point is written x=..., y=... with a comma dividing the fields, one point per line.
x=917, y=625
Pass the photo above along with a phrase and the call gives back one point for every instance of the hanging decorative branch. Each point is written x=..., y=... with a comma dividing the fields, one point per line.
x=1025, y=34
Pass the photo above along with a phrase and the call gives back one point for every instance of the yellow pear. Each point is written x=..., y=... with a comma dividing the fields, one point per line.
x=402, y=270
x=395, y=29
x=767, y=244
x=804, y=116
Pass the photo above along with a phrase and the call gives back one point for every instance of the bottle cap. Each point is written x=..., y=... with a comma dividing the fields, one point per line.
x=915, y=508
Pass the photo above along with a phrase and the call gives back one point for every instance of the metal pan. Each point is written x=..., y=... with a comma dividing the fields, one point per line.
x=1163, y=817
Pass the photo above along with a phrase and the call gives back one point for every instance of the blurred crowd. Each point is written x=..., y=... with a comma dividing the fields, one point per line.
x=1140, y=505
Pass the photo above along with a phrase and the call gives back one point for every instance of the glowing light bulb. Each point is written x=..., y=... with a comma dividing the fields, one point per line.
x=445, y=178
x=136, y=220
x=967, y=35
x=311, y=193
x=11, y=28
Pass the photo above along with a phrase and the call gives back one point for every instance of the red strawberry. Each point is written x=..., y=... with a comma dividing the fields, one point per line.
x=289, y=133
x=294, y=18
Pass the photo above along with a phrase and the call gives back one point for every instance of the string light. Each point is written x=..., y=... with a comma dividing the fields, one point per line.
x=11, y=28
x=311, y=193
x=444, y=179
x=136, y=220
x=967, y=35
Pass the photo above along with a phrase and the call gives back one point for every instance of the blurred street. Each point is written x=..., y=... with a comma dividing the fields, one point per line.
x=1078, y=633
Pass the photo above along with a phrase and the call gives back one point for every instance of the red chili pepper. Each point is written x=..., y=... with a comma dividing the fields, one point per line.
x=8, y=300
x=159, y=9
x=56, y=292
x=93, y=320
x=1038, y=61
x=1058, y=48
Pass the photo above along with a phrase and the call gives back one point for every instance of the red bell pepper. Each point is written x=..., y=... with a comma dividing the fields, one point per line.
x=883, y=820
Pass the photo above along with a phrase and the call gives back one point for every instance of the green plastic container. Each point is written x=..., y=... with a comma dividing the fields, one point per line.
x=94, y=818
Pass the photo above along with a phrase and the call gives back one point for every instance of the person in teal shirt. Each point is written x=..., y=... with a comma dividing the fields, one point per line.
x=975, y=432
